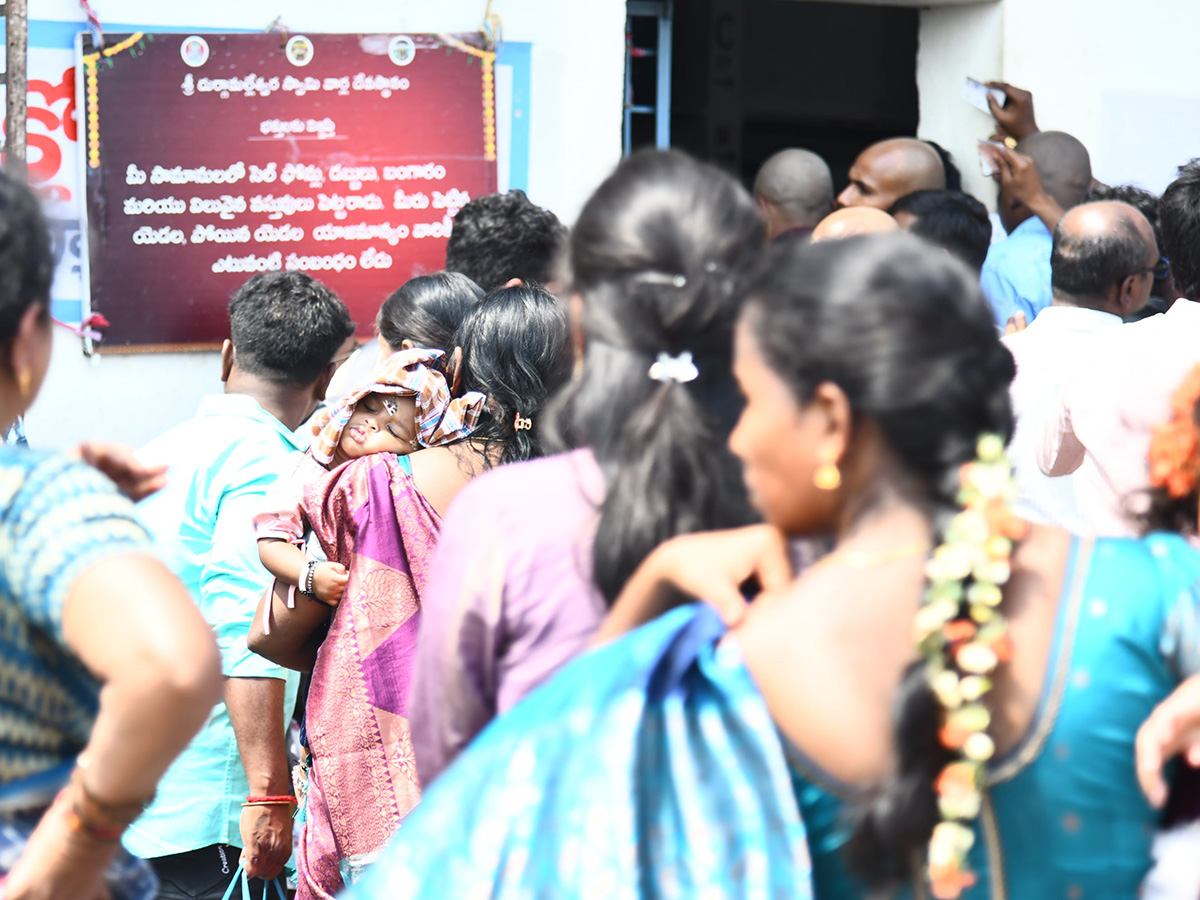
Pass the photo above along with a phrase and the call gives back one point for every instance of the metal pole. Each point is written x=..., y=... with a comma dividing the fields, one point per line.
x=662, y=102
x=16, y=22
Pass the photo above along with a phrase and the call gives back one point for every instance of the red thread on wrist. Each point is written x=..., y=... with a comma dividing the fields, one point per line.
x=283, y=798
x=78, y=826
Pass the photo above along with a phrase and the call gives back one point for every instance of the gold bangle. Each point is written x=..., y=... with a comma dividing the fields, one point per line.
x=269, y=803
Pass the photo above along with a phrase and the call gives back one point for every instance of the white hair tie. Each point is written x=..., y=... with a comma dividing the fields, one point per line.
x=679, y=368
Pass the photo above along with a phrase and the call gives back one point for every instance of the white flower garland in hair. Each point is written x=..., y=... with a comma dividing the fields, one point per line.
x=962, y=636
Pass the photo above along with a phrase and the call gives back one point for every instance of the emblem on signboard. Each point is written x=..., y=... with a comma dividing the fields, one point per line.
x=299, y=50
x=402, y=50
x=194, y=51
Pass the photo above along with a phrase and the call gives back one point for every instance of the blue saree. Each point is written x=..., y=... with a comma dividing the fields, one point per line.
x=648, y=768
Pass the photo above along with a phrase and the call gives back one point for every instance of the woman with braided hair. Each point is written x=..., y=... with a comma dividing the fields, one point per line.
x=947, y=704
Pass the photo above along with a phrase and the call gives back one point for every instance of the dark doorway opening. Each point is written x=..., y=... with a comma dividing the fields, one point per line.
x=750, y=77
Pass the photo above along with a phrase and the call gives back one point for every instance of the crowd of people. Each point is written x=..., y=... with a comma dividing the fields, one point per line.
x=730, y=543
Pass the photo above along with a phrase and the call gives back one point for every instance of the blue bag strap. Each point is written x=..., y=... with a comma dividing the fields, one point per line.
x=232, y=883
x=241, y=876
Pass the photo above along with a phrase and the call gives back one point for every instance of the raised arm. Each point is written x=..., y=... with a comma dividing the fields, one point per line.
x=1019, y=174
x=712, y=567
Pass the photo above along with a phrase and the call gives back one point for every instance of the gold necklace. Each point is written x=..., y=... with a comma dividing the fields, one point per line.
x=857, y=559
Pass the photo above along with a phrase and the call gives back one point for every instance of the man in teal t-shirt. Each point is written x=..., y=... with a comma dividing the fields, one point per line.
x=286, y=328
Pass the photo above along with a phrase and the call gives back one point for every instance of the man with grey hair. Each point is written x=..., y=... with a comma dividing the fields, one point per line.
x=1102, y=264
x=794, y=189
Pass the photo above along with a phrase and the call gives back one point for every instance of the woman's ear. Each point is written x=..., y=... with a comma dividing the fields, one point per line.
x=28, y=351
x=833, y=406
x=454, y=370
x=406, y=344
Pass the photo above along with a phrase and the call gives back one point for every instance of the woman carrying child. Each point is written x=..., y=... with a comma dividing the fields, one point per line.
x=377, y=515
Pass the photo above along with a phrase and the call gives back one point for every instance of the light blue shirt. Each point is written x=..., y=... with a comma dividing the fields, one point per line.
x=1016, y=273
x=222, y=462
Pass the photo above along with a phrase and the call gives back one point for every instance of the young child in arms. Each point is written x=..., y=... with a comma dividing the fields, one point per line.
x=405, y=407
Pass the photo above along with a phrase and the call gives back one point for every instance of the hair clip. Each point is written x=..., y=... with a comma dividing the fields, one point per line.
x=520, y=424
x=391, y=405
x=678, y=280
x=679, y=368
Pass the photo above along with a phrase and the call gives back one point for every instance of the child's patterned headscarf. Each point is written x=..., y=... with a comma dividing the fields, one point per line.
x=408, y=373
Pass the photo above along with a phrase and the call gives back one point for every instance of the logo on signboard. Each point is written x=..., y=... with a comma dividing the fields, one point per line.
x=402, y=50
x=299, y=50
x=194, y=51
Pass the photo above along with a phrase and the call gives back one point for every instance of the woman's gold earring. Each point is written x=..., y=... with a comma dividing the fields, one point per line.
x=827, y=477
x=24, y=379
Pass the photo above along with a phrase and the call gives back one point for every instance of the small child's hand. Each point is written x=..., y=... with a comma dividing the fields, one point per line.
x=329, y=582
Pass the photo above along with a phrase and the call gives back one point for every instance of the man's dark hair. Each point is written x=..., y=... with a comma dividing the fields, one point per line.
x=1179, y=222
x=952, y=220
x=953, y=176
x=504, y=236
x=286, y=326
x=1089, y=265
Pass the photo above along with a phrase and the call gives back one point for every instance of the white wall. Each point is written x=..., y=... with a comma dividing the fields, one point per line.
x=575, y=140
x=1119, y=76
x=956, y=42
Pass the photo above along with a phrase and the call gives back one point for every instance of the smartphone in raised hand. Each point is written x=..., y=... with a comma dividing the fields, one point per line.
x=989, y=157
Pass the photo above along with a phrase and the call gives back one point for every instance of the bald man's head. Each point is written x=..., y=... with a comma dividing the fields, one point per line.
x=851, y=221
x=794, y=190
x=885, y=172
x=1103, y=258
x=1064, y=167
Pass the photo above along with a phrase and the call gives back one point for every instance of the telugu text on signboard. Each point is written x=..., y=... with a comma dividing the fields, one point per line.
x=212, y=157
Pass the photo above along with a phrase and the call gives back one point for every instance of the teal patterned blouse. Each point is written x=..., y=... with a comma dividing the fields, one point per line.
x=1063, y=817
x=57, y=518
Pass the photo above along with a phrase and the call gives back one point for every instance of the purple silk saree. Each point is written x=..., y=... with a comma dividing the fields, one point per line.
x=370, y=517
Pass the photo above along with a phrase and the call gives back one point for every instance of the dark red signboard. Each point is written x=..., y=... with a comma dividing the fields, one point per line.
x=210, y=157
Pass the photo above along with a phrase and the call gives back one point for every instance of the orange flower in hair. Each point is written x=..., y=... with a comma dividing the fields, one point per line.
x=1175, y=445
x=948, y=880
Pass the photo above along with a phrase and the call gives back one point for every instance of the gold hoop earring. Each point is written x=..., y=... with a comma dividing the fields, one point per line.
x=827, y=477
x=24, y=380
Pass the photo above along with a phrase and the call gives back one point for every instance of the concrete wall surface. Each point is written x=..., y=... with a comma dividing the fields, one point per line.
x=1119, y=76
x=577, y=78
